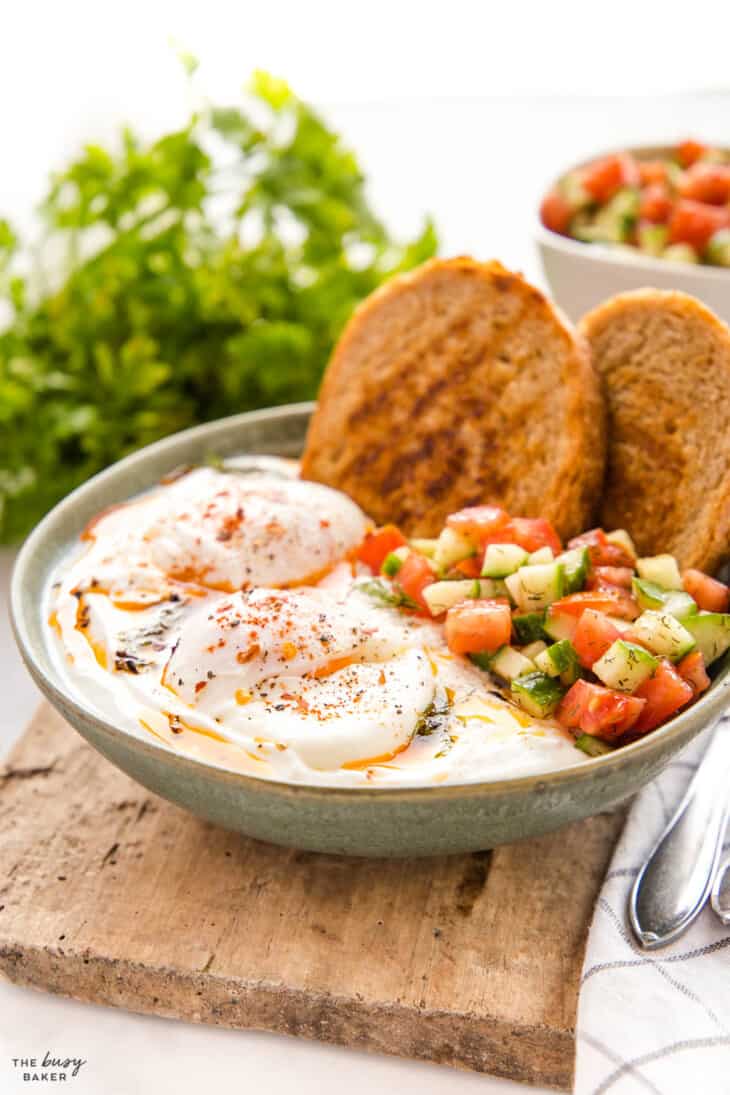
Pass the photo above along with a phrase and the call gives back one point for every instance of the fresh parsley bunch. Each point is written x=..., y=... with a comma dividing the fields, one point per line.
x=207, y=273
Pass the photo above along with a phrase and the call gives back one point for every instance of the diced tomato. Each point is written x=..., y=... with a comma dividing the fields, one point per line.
x=601, y=712
x=603, y=552
x=469, y=568
x=614, y=602
x=532, y=533
x=624, y=605
x=656, y=204
x=479, y=522
x=710, y=594
x=604, y=177
x=412, y=578
x=632, y=711
x=478, y=626
x=695, y=223
x=692, y=670
x=555, y=212
x=665, y=692
x=378, y=544
x=707, y=182
x=567, y=621
x=593, y=636
x=652, y=171
x=689, y=152
x=607, y=577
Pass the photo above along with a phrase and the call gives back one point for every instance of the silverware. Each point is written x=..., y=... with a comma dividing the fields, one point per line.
x=675, y=882
x=720, y=898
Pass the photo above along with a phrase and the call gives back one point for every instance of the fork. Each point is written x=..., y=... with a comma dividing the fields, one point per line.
x=675, y=881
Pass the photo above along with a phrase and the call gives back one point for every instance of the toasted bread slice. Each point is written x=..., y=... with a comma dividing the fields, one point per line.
x=665, y=363
x=455, y=385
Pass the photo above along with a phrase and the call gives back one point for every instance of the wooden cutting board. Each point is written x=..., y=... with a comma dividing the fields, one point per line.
x=111, y=895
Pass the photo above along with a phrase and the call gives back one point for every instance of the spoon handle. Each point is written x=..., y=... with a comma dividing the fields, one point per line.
x=676, y=879
x=720, y=899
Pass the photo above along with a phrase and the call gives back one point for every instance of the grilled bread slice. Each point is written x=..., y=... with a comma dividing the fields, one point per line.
x=455, y=385
x=665, y=363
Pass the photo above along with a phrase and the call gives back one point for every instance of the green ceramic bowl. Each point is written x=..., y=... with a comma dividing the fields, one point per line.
x=356, y=821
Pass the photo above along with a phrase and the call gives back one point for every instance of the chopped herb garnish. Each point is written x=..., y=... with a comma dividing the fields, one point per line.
x=387, y=595
x=435, y=718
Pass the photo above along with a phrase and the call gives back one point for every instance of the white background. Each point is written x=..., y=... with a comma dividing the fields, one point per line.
x=461, y=109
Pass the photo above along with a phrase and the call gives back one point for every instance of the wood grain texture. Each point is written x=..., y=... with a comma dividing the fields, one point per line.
x=111, y=895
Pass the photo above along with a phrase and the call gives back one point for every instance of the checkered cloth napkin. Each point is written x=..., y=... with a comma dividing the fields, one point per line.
x=653, y=1021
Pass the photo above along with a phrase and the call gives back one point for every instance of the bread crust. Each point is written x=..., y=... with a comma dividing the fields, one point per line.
x=664, y=359
x=454, y=385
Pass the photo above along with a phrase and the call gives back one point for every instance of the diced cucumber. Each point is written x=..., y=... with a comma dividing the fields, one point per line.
x=621, y=538
x=560, y=625
x=484, y=661
x=592, y=747
x=528, y=628
x=441, y=596
x=625, y=666
x=620, y=625
x=653, y=238
x=588, y=231
x=425, y=547
x=493, y=587
x=534, y=587
x=393, y=561
x=662, y=570
x=718, y=249
x=575, y=563
x=503, y=559
x=572, y=190
x=451, y=547
x=580, y=222
x=648, y=594
x=652, y=596
x=545, y=663
x=680, y=252
x=542, y=555
x=615, y=221
x=514, y=588
x=663, y=634
x=532, y=650
x=537, y=694
x=560, y=660
x=681, y=605
x=711, y=631
x=675, y=173
x=508, y=663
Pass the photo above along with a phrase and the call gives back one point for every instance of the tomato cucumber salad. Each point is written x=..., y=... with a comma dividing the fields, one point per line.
x=609, y=644
x=675, y=207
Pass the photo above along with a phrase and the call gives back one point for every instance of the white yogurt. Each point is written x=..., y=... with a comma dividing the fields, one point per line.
x=222, y=613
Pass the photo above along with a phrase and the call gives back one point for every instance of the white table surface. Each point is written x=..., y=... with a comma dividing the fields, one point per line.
x=479, y=167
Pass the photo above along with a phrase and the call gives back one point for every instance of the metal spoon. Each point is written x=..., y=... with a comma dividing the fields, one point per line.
x=675, y=882
x=720, y=898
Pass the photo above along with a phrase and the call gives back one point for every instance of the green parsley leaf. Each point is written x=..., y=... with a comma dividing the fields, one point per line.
x=205, y=273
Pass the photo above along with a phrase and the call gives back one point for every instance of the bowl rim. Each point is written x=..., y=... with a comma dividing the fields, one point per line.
x=683, y=726
x=607, y=255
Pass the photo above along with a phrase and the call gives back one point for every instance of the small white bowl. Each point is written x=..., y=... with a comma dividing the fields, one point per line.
x=582, y=275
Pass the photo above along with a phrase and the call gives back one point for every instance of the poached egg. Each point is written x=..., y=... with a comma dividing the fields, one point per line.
x=224, y=613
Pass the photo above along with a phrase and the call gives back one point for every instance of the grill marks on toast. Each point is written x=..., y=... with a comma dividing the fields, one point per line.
x=455, y=385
